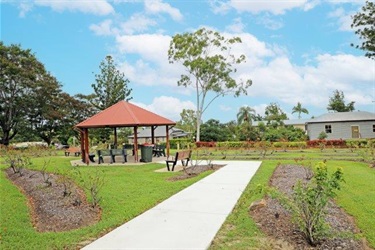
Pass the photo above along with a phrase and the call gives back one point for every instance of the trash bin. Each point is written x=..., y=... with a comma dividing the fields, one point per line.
x=146, y=153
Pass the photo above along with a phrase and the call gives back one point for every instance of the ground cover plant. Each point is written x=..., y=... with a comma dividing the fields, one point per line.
x=131, y=191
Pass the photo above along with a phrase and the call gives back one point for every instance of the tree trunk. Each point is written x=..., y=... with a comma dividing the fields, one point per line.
x=6, y=138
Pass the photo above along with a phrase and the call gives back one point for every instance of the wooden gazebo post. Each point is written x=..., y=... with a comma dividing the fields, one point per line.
x=86, y=140
x=115, y=137
x=167, y=138
x=82, y=145
x=153, y=134
x=135, y=146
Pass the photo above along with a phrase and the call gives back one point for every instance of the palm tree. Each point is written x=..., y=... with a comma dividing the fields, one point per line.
x=299, y=109
x=245, y=114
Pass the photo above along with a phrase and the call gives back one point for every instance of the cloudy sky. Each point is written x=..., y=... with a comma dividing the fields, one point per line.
x=297, y=51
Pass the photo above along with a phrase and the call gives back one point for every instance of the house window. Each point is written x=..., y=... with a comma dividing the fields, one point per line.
x=328, y=129
x=373, y=128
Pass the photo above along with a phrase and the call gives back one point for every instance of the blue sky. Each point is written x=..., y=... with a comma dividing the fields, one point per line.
x=297, y=51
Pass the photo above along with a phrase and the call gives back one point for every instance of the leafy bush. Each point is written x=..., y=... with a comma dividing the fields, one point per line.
x=323, y=135
x=356, y=143
x=309, y=201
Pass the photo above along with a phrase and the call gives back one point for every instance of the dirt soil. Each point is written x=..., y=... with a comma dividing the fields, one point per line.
x=50, y=210
x=192, y=171
x=275, y=221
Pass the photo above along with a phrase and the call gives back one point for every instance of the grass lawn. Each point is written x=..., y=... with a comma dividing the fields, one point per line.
x=357, y=197
x=129, y=191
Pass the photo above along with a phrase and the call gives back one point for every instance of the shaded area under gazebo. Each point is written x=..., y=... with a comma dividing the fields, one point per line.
x=122, y=114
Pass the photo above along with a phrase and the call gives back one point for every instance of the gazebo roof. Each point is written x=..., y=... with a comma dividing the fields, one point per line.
x=124, y=114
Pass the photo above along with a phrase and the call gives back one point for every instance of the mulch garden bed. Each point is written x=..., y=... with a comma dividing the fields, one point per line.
x=50, y=210
x=275, y=221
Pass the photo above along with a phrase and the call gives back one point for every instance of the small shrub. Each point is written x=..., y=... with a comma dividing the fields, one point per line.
x=309, y=201
x=323, y=135
x=92, y=183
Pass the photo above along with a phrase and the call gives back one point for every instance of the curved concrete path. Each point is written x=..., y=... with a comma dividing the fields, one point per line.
x=189, y=219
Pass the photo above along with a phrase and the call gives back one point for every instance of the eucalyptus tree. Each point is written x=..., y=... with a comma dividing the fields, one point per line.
x=209, y=64
x=364, y=23
x=299, y=109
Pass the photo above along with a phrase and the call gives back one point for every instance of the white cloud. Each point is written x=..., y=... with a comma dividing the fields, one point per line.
x=24, y=7
x=154, y=47
x=98, y=7
x=104, y=28
x=137, y=23
x=282, y=81
x=236, y=27
x=172, y=110
x=157, y=6
x=343, y=19
x=275, y=7
x=274, y=76
x=270, y=23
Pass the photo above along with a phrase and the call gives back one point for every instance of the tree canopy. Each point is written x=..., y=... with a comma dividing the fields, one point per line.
x=364, y=25
x=32, y=103
x=110, y=87
x=337, y=103
x=273, y=113
x=24, y=84
x=207, y=57
x=245, y=115
x=188, y=120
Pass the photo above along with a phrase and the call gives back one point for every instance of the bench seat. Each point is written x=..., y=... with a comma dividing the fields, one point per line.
x=112, y=154
x=183, y=156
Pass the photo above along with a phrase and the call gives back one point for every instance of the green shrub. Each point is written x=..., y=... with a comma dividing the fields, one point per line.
x=309, y=201
x=323, y=135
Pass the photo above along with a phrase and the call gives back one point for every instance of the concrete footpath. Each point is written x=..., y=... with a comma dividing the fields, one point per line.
x=189, y=219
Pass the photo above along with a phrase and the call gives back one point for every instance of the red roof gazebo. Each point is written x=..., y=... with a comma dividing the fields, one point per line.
x=122, y=114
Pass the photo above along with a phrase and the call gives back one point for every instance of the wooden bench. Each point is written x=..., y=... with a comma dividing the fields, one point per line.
x=112, y=153
x=74, y=150
x=183, y=156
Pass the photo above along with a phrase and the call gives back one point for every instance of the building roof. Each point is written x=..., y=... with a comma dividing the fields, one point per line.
x=286, y=122
x=160, y=132
x=124, y=114
x=344, y=116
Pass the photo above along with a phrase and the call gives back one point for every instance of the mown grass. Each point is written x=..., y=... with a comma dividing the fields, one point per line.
x=356, y=197
x=128, y=191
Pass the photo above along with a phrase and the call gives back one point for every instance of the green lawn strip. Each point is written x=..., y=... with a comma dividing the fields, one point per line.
x=357, y=195
x=357, y=198
x=239, y=231
x=129, y=191
x=279, y=154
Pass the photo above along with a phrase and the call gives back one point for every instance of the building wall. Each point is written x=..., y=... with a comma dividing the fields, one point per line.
x=148, y=140
x=341, y=130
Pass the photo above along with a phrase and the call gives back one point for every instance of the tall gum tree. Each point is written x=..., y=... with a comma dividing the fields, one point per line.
x=209, y=63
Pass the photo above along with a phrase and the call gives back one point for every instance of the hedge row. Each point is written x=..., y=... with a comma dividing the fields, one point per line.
x=304, y=144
